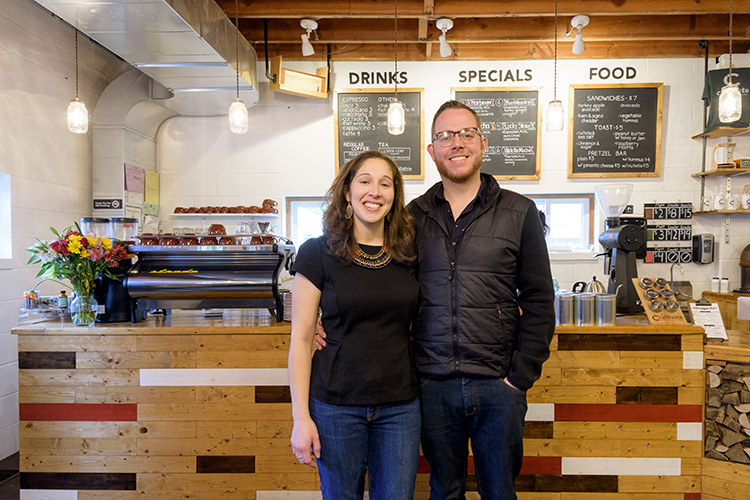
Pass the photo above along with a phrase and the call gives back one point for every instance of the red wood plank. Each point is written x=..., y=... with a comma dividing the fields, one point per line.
x=692, y=496
x=83, y=412
x=628, y=413
x=541, y=465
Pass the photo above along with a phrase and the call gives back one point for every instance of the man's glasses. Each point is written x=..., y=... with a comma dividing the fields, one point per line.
x=467, y=135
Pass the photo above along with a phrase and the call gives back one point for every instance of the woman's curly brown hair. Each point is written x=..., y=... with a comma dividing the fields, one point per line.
x=339, y=231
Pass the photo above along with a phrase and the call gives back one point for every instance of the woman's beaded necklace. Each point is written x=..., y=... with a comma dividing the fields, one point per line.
x=377, y=261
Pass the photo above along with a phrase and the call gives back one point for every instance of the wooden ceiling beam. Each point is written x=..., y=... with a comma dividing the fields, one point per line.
x=474, y=8
x=506, y=51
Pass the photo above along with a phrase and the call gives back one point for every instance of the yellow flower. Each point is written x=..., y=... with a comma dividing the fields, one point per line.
x=106, y=243
x=74, y=244
x=84, y=253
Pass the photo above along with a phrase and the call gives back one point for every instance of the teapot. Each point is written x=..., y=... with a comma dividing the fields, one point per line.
x=593, y=286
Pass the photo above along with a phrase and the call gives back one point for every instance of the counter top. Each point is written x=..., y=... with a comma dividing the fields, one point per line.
x=736, y=348
x=180, y=322
x=632, y=324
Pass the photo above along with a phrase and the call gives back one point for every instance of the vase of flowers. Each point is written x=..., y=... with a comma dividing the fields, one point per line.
x=80, y=259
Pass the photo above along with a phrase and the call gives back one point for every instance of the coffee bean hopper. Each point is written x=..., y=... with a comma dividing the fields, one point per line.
x=208, y=277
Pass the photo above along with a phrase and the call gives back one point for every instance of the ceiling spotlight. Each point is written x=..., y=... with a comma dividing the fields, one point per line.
x=578, y=22
x=309, y=25
x=444, y=24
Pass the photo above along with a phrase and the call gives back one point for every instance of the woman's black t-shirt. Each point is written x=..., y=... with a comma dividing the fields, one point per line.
x=367, y=316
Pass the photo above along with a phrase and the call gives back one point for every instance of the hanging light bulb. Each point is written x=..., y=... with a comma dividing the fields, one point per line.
x=238, y=123
x=555, y=119
x=396, y=118
x=730, y=99
x=396, y=112
x=78, y=115
x=555, y=116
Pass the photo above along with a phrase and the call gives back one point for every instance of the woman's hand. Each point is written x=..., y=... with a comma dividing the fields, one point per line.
x=305, y=441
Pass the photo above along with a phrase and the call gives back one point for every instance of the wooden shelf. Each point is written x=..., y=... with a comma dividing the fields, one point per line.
x=260, y=215
x=724, y=212
x=718, y=132
x=723, y=172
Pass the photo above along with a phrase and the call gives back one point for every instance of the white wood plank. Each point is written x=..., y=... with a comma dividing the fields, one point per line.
x=609, y=466
x=216, y=377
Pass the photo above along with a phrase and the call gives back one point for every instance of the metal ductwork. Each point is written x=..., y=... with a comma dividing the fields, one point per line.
x=188, y=46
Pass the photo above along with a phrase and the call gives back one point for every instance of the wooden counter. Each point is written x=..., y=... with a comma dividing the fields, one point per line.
x=728, y=309
x=186, y=407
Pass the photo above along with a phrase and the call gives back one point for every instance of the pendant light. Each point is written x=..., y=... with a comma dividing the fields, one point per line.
x=396, y=111
x=555, y=113
x=78, y=115
x=238, y=110
x=730, y=99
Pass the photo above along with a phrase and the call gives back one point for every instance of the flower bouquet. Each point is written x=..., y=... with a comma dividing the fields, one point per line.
x=81, y=260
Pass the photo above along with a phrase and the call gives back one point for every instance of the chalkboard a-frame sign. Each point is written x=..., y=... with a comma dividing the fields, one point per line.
x=361, y=124
x=511, y=119
x=615, y=130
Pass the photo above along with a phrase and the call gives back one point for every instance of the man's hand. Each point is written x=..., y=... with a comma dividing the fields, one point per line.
x=320, y=336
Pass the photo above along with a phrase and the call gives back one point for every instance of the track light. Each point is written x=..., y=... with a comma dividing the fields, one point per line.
x=578, y=22
x=309, y=25
x=444, y=24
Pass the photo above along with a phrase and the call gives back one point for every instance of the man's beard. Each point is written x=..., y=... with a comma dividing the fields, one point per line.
x=445, y=173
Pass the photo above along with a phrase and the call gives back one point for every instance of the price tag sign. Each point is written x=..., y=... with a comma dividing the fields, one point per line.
x=668, y=255
x=669, y=232
x=668, y=211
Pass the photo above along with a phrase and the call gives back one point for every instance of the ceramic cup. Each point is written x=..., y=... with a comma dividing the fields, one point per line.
x=718, y=202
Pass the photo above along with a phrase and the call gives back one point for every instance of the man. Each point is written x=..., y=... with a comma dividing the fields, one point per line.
x=486, y=314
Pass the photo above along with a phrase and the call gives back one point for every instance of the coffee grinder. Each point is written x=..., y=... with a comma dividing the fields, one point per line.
x=624, y=241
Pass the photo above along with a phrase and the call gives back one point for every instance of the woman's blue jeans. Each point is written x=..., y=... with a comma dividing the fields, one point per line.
x=491, y=414
x=381, y=440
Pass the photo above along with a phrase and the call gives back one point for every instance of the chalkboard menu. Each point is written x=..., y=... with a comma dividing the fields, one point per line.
x=510, y=122
x=360, y=120
x=615, y=130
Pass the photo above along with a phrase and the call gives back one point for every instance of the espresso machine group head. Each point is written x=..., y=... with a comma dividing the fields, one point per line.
x=624, y=241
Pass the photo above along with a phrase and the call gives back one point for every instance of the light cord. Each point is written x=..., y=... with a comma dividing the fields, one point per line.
x=730, y=41
x=76, y=64
x=237, y=43
x=395, y=49
x=554, y=90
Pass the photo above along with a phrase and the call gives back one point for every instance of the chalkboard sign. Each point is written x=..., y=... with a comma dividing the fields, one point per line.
x=361, y=125
x=615, y=130
x=510, y=122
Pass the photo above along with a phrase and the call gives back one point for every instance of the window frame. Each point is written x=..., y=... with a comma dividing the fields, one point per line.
x=589, y=203
x=289, y=202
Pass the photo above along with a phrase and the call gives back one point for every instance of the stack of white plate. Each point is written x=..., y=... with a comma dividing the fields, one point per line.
x=287, y=306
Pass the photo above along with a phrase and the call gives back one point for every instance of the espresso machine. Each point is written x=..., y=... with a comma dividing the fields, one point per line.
x=624, y=241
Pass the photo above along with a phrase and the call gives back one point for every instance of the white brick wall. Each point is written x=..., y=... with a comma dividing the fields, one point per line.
x=50, y=168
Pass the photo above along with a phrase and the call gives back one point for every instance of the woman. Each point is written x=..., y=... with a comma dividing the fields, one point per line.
x=355, y=404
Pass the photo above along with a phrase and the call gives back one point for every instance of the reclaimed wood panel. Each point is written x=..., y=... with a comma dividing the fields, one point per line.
x=109, y=359
x=56, y=394
x=51, y=359
x=76, y=343
x=136, y=464
x=77, y=446
x=569, y=394
x=135, y=394
x=62, y=411
x=77, y=481
x=78, y=378
x=646, y=484
x=194, y=440
x=633, y=377
x=615, y=430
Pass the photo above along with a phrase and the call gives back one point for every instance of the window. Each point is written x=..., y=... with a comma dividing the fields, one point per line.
x=5, y=241
x=304, y=217
x=570, y=218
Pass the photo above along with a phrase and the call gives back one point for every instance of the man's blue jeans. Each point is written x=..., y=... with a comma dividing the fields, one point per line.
x=382, y=440
x=491, y=414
